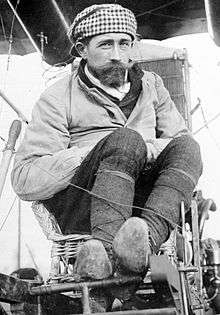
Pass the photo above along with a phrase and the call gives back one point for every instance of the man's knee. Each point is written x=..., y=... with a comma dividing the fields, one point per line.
x=188, y=144
x=126, y=142
x=184, y=152
x=190, y=150
x=124, y=151
x=181, y=164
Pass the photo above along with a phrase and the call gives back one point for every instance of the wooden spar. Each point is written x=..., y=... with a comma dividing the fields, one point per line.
x=19, y=236
x=17, y=111
x=17, y=293
x=14, y=132
x=13, y=290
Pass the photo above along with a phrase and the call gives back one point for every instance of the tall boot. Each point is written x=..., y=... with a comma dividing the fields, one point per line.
x=131, y=249
x=131, y=246
x=92, y=263
x=162, y=213
x=109, y=212
x=176, y=172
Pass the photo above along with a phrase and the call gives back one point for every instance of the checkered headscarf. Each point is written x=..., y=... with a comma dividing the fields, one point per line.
x=101, y=19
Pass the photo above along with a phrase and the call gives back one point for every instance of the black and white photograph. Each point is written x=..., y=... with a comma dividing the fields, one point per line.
x=109, y=157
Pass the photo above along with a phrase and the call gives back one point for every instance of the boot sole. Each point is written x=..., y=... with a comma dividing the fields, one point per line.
x=131, y=245
x=92, y=261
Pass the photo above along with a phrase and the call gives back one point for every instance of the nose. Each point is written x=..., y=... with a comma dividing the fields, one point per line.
x=115, y=53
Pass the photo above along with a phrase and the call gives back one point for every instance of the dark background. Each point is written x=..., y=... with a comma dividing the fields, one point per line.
x=157, y=19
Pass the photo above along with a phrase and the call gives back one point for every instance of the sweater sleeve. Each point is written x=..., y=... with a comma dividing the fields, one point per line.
x=169, y=122
x=44, y=164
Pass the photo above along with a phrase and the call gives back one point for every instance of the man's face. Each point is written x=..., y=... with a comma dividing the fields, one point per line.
x=108, y=56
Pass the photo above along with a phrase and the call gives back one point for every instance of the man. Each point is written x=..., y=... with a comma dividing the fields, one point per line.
x=107, y=152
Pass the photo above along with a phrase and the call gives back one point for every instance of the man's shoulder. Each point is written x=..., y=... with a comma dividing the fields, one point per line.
x=61, y=87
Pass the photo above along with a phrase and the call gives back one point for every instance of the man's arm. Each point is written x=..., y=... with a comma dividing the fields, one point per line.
x=44, y=164
x=169, y=122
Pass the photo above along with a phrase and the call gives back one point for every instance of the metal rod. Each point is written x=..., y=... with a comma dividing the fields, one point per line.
x=204, y=216
x=19, y=235
x=183, y=293
x=17, y=111
x=182, y=209
x=85, y=300
x=187, y=89
x=196, y=245
x=39, y=308
x=156, y=311
x=66, y=287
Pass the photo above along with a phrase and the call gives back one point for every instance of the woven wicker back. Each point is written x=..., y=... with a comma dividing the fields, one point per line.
x=175, y=75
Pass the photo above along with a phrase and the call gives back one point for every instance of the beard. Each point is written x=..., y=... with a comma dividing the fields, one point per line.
x=112, y=75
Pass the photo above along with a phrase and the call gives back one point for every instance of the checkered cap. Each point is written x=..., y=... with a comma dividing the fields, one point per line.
x=101, y=19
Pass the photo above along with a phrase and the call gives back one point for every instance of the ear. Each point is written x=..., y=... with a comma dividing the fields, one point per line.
x=81, y=49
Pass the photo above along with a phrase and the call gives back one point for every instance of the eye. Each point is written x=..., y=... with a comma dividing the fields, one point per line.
x=105, y=45
x=125, y=44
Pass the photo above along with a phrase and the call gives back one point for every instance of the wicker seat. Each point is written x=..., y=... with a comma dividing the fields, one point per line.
x=64, y=247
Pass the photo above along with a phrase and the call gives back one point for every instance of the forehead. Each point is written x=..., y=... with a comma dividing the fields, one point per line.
x=111, y=36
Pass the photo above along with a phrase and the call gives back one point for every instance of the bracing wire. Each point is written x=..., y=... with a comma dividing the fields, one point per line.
x=199, y=105
x=3, y=28
x=10, y=40
x=207, y=126
x=158, y=8
x=207, y=123
x=110, y=202
x=33, y=259
x=178, y=18
x=5, y=37
x=2, y=139
x=16, y=197
x=13, y=17
x=11, y=35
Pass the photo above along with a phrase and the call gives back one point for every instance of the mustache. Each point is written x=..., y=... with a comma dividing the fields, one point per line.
x=114, y=66
x=112, y=73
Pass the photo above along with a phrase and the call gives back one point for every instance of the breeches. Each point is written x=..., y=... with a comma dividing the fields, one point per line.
x=118, y=169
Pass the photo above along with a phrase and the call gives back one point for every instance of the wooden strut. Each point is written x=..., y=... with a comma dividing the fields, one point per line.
x=15, y=109
x=156, y=311
x=67, y=287
x=25, y=295
x=16, y=292
x=8, y=151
